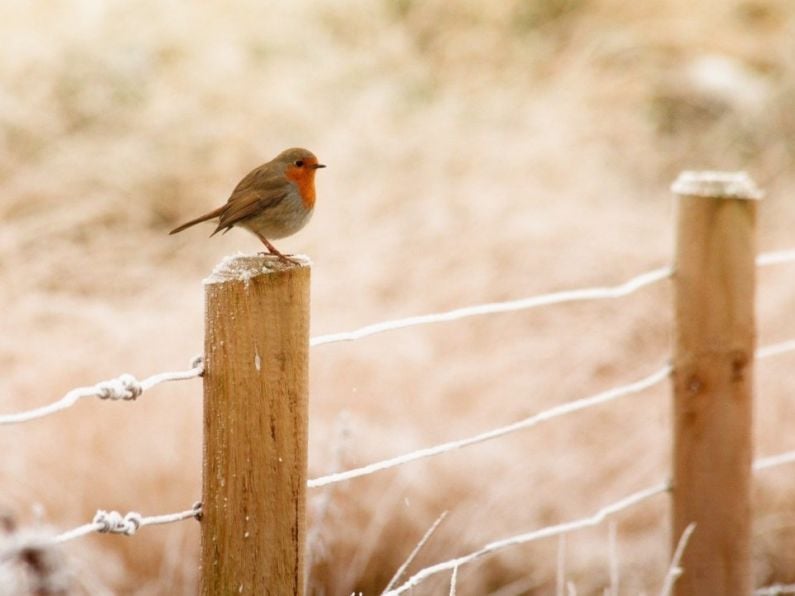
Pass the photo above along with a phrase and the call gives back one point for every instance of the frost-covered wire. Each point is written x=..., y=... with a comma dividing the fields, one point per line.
x=560, y=410
x=775, y=590
x=765, y=463
x=564, y=528
x=113, y=522
x=554, y=412
x=127, y=387
x=124, y=387
x=556, y=530
x=597, y=293
x=776, y=349
x=775, y=257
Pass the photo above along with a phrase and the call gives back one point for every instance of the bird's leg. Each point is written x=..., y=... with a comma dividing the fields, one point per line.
x=275, y=251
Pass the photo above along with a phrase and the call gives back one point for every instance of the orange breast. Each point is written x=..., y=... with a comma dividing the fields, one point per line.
x=304, y=178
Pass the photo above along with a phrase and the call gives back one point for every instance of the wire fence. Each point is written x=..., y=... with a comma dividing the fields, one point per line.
x=113, y=522
x=555, y=412
x=124, y=387
x=127, y=387
x=596, y=518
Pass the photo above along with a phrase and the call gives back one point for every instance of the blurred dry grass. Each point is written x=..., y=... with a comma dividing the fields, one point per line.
x=477, y=151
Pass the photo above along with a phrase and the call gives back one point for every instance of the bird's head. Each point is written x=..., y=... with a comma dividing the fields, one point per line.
x=300, y=166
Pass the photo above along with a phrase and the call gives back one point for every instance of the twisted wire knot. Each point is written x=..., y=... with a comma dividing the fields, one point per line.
x=124, y=387
x=113, y=522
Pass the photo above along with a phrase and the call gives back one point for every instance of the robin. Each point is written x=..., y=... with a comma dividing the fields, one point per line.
x=274, y=200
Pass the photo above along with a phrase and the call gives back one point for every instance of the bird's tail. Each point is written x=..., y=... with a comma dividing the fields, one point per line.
x=212, y=214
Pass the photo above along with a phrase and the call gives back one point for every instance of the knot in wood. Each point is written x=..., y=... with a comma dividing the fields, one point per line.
x=694, y=384
x=739, y=362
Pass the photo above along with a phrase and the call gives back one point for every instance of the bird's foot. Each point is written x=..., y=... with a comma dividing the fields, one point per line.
x=282, y=257
x=275, y=251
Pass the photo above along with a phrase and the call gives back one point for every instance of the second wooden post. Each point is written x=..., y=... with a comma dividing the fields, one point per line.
x=255, y=427
x=713, y=379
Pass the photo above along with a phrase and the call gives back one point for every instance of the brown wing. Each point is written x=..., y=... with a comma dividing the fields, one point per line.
x=260, y=189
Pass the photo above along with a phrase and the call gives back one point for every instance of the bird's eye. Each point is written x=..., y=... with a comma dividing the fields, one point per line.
x=300, y=163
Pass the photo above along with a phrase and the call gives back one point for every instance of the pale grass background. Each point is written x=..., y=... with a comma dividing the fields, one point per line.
x=477, y=151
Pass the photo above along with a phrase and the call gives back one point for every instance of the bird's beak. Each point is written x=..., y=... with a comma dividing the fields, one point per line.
x=319, y=165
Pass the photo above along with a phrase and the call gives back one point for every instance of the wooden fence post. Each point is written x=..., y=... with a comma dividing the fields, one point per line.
x=255, y=427
x=713, y=374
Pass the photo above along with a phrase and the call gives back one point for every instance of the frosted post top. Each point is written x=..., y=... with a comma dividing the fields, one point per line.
x=241, y=267
x=730, y=185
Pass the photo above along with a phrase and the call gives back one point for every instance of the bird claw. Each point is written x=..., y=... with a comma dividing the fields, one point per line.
x=282, y=257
